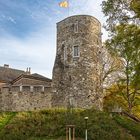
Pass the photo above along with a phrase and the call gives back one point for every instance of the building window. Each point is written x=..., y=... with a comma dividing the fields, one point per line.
x=76, y=51
x=70, y=77
x=76, y=27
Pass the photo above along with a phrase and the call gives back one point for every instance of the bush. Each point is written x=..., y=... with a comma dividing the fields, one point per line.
x=51, y=124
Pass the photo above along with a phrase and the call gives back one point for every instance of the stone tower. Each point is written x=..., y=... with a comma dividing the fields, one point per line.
x=78, y=64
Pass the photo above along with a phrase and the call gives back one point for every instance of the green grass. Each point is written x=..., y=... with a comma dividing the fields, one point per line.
x=128, y=124
x=50, y=125
x=5, y=118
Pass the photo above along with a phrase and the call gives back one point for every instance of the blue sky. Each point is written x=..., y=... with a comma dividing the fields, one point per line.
x=28, y=31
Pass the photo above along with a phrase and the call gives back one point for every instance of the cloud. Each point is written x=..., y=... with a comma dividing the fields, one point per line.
x=12, y=20
x=36, y=51
x=31, y=42
x=28, y=31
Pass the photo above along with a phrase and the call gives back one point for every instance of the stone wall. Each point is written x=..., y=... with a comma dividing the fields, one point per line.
x=13, y=99
x=78, y=80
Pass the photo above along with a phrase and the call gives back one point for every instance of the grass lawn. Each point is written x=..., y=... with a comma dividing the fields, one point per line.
x=51, y=125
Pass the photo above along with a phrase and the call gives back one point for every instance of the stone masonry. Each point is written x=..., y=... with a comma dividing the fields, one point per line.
x=13, y=99
x=77, y=71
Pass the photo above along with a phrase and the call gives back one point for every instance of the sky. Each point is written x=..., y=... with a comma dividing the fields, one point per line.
x=28, y=31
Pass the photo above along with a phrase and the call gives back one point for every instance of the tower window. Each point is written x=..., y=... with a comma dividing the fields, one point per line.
x=76, y=27
x=70, y=78
x=65, y=53
x=76, y=51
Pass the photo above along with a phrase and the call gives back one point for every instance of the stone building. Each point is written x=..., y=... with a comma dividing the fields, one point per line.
x=15, y=77
x=32, y=80
x=77, y=71
x=14, y=99
x=8, y=74
x=23, y=91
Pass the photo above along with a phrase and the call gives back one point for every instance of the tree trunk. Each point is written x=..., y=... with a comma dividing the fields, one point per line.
x=127, y=88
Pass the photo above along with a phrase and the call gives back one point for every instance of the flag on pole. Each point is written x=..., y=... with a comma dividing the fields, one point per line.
x=64, y=4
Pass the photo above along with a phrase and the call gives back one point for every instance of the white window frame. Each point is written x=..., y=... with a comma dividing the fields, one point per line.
x=20, y=88
x=31, y=88
x=74, y=51
x=43, y=89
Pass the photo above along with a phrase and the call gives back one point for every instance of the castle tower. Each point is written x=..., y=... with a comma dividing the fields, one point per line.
x=78, y=64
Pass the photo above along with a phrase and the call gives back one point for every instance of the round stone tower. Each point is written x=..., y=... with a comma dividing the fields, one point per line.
x=77, y=75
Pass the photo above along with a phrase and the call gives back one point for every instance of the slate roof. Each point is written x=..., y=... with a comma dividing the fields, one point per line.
x=39, y=76
x=32, y=76
x=8, y=74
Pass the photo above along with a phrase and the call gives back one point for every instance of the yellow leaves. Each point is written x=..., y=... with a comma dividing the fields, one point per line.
x=135, y=5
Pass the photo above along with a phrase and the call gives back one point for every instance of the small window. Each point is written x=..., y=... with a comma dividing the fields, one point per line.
x=76, y=27
x=65, y=53
x=76, y=51
x=70, y=78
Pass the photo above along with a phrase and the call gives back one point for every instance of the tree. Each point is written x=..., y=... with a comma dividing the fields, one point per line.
x=124, y=42
x=135, y=6
x=115, y=99
x=120, y=11
x=112, y=67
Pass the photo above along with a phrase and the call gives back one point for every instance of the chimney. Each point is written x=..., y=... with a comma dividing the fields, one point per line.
x=6, y=66
x=29, y=70
x=26, y=70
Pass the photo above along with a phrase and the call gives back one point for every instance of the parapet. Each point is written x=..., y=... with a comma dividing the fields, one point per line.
x=25, y=98
x=25, y=88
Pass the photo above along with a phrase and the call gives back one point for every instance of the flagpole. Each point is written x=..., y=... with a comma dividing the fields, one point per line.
x=68, y=8
x=65, y=4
